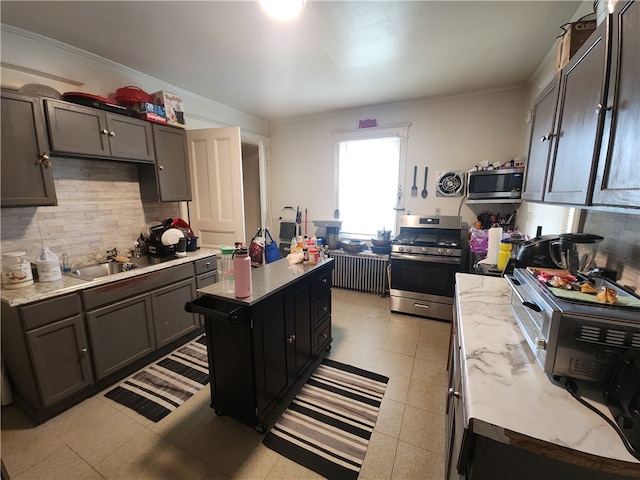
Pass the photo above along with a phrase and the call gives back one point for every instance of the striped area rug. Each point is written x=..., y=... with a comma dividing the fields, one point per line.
x=329, y=423
x=160, y=388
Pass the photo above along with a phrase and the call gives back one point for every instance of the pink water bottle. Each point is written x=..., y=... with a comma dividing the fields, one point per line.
x=242, y=269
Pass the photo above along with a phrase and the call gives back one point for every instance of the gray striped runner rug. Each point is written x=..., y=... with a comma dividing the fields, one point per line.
x=329, y=423
x=158, y=389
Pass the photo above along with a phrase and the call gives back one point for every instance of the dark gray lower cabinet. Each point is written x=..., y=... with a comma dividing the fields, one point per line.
x=45, y=351
x=120, y=334
x=59, y=351
x=170, y=320
x=132, y=318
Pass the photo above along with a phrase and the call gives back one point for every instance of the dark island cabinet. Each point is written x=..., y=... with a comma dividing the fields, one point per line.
x=27, y=173
x=168, y=180
x=617, y=179
x=261, y=353
x=46, y=351
x=79, y=131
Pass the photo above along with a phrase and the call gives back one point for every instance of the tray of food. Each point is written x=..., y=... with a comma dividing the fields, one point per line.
x=598, y=290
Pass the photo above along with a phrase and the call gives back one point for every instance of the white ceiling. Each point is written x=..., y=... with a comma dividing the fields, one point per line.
x=338, y=54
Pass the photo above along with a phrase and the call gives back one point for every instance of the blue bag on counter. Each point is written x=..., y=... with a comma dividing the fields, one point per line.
x=271, y=250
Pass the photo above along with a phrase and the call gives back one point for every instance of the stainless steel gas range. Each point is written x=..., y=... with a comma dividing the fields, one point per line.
x=425, y=256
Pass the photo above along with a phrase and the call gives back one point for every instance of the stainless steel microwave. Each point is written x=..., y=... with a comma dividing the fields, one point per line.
x=495, y=184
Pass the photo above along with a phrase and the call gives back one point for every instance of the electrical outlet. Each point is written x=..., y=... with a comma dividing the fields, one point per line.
x=437, y=211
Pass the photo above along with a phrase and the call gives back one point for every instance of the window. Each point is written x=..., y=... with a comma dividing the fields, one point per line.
x=554, y=219
x=369, y=164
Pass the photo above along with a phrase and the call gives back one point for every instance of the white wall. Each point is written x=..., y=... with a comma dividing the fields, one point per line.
x=31, y=58
x=452, y=133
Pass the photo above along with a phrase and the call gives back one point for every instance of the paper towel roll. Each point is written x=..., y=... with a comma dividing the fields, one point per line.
x=495, y=237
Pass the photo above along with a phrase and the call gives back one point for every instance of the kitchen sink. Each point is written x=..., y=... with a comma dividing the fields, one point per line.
x=100, y=270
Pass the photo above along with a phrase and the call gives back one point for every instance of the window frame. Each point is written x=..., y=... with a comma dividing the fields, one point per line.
x=398, y=130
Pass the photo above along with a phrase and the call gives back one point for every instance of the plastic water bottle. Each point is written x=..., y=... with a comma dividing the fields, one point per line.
x=228, y=274
x=242, y=270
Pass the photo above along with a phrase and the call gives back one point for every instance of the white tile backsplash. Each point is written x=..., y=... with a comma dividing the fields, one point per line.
x=99, y=207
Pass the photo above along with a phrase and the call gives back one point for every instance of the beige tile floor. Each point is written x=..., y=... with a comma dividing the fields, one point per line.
x=99, y=439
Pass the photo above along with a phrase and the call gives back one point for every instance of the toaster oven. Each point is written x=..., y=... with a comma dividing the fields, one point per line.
x=570, y=337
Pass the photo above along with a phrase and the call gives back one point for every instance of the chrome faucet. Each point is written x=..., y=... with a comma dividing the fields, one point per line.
x=112, y=253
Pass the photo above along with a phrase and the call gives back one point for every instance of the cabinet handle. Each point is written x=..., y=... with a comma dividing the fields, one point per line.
x=160, y=167
x=548, y=136
x=453, y=393
x=601, y=107
x=325, y=336
x=43, y=159
x=325, y=309
x=83, y=351
x=112, y=134
x=291, y=338
x=208, y=264
x=104, y=131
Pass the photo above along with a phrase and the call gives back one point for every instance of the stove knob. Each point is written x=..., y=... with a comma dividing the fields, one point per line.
x=541, y=343
x=407, y=249
x=424, y=250
x=440, y=250
x=449, y=251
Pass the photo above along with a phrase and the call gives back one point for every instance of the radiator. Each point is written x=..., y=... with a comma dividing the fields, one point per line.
x=360, y=272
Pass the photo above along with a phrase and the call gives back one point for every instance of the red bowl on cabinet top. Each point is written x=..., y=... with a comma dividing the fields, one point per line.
x=128, y=95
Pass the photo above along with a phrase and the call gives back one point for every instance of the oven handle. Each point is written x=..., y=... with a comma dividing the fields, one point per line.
x=512, y=282
x=426, y=258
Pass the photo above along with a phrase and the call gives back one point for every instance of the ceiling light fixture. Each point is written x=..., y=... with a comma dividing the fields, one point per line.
x=283, y=9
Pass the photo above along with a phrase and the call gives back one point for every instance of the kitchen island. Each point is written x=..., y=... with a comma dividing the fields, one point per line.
x=262, y=348
x=506, y=418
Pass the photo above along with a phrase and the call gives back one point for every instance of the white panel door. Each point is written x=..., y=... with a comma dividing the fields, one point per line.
x=217, y=209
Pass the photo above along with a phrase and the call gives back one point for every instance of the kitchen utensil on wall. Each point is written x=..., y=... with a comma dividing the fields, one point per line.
x=424, y=190
x=414, y=189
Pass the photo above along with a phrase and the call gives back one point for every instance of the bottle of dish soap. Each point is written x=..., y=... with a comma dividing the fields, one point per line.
x=48, y=266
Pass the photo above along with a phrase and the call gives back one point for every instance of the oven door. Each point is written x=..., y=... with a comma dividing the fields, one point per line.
x=430, y=275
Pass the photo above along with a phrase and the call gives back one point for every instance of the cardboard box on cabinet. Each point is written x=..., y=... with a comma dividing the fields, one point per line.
x=574, y=37
x=173, y=107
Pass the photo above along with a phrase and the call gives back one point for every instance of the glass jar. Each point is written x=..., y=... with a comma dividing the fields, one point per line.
x=16, y=270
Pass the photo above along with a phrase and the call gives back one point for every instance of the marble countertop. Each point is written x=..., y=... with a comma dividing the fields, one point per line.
x=507, y=396
x=266, y=280
x=67, y=284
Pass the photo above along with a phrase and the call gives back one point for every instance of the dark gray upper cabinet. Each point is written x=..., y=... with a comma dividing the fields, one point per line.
x=80, y=131
x=617, y=179
x=589, y=154
x=27, y=177
x=578, y=124
x=168, y=180
x=542, y=125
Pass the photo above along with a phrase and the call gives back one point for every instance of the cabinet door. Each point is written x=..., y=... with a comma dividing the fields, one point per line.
x=299, y=331
x=172, y=162
x=61, y=361
x=270, y=337
x=542, y=124
x=121, y=333
x=77, y=130
x=130, y=138
x=617, y=179
x=170, y=320
x=25, y=180
x=454, y=421
x=578, y=124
